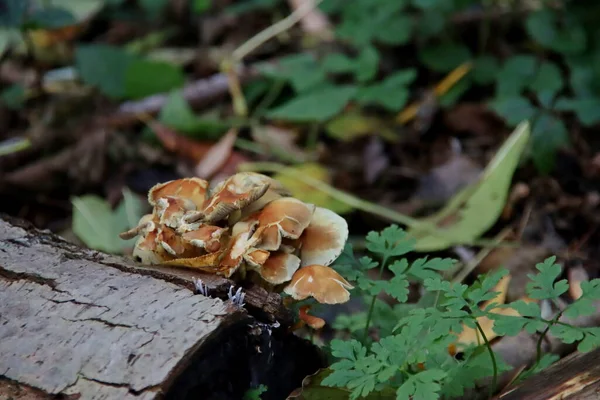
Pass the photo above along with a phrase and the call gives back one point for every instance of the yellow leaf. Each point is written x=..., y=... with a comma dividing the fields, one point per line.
x=470, y=336
x=309, y=194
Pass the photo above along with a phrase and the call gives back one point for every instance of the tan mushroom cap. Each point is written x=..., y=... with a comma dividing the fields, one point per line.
x=207, y=237
x=146, y=224
x=170, y=210
x=286, y=217
x=147, y=250
x=279, y=268
x=256, y=257
x=324, y=238
x=322, y=283
x=193, y=189
x=172, y=242
x=230, y=195
x=239, y=246
x=310, y=320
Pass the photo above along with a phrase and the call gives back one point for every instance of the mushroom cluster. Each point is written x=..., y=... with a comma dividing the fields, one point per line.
x=246, y=225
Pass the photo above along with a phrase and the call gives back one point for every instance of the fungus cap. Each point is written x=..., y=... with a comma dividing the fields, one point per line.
x=321, y=282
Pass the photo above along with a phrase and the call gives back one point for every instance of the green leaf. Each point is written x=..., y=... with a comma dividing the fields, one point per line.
x=423, y=268
x=485, y=69
x=14, y=96
x=392, y=93
x=548, y=78
x=513, y=109
x=96, y=225
x=476, y=208
x=103, y=66
x=561, y=33
x=549, y=134
x=515, y=74
x=316, y=106
x=397, y=33
x=587, y=109
x=585, y=304
x=390, y=242
x=424, y=385
x=51, y=18
x=254, y=394
x=444, y=57
x=301, y=70
x=432, y=23
x=144, y=78
x=543, y=285
x=367, y=64
x=338, y=63
x=177, y=114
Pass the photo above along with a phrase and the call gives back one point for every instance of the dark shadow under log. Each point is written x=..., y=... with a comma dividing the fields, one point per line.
x=76, y=323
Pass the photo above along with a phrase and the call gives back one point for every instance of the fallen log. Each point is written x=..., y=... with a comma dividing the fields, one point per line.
x=77, y=323
x=576, y=376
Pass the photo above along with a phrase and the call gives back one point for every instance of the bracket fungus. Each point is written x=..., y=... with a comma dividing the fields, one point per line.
x=248, y=224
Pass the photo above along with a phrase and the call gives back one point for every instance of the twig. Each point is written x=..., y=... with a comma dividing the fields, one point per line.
x=198, y=93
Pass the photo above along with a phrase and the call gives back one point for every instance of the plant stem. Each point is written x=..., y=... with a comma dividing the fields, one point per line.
x=372, y=306
x=493, y=358
x=538, y=347
x=257, y=40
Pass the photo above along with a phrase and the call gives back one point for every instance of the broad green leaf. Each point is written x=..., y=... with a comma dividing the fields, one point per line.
x=338, y=63
x=308, y=193
x=514, y=75
x=561, y=33
x=316, y=106
x=444, y=57
x=391, y=93
x=367, y=64
x=301, y=70
x=103, y=66
x=177, y=114
x=548, y=135
x=144, y=78
x=474, y=210
x=397, y=33
x=513, y=109
x=547, y=78
x=587, y=109
x=98, y=226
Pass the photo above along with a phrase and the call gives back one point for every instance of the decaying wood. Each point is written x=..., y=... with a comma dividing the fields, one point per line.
x=576, y=376
x=83, y=324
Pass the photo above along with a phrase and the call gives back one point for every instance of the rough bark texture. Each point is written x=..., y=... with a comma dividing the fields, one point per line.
x=76, y=323
x=576, y=376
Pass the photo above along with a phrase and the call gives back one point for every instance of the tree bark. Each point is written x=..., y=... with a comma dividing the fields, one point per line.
x=77, y=323
x=576, y=376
